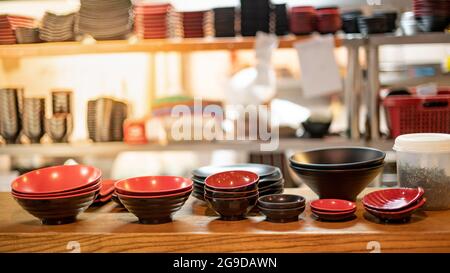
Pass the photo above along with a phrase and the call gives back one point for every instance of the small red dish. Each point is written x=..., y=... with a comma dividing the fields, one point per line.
x=56, y=179
x=231, y=180
x=392, y=199
x=149, y=185
x=333, y=205
x=334, y=216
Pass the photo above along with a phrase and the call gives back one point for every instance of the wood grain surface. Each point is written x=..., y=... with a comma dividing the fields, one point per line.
x=196, y=229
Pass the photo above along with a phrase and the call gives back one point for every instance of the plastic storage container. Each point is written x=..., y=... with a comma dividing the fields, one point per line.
x=418, y=114
x=423, y=160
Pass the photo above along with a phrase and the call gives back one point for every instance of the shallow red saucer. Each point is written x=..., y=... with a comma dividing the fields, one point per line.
x=333, y=205
x=392, y=199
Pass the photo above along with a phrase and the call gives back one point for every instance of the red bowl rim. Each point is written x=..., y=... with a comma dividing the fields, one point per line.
x=118, y=184
x=253, y=181
x=52, y=195
x=154, y=196
x=57, y=197
x=366, y=202
x=89, y=183
x=315, y=205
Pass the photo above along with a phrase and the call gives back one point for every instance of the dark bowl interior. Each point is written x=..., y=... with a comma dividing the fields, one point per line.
x=338, y=158
x=281, y=201
x=338, y=184
x=57, y=211
x=281, y=215
x=234, y=209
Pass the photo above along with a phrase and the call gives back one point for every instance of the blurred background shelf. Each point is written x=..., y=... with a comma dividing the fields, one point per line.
x=150, y=45
x=113, y=148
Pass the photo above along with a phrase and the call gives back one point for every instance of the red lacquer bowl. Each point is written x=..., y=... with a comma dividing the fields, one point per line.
x=397, y=215
x=95, y=187
x=56, y=179
x=232, y=180
x=151, y=185
x=333, y=205
x=392, y=199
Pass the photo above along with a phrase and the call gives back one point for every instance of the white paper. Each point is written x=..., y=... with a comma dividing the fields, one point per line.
x=319, y=70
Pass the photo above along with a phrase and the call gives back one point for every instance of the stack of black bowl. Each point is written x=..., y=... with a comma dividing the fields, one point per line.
x=224, y=19
x=270, y=178
x=281, y=19
x=350, y=21
x=255, y=16
x=338, y=173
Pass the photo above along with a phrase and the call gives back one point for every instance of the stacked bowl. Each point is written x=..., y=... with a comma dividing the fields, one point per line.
x=338, y=173
x=151, y=20
x=281, y=208
x=153, y=199
x=232, y=194
x=432, y=15
x=8, y=25
x=224, y=18
x=281, y=19
x=396, y=204
x=193, y=24
x=34, y=119
x=333, y=209
x=255, y=16
x=56, y=195
x=27, y=35
x=270, y=178
x=328, y=20
x=302, y=20
x=11, y=105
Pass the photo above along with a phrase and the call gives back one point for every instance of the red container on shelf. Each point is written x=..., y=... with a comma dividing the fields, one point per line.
x=418, y=114
x=134, y=132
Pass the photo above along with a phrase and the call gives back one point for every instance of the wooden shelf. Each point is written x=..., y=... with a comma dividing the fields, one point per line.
x=196, y=229
x=134, y=45
x=113, y=148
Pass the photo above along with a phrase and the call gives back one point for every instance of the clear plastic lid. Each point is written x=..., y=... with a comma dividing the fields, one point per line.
x=423, y=143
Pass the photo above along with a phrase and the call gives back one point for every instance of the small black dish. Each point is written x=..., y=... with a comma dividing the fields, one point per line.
x=281, y=201
x=281, y=215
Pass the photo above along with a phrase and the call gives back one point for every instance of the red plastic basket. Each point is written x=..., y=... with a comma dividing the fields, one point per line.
x=418, y=114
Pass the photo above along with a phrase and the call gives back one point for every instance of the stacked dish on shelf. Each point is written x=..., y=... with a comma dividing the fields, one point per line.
x=34, y=119
x=57, y=28
x=338, y=173
x=270, y=178
x=11, y=109
x=224, y=18
x=302, y=20
x=232, y=194
x=432, y=15
x=27, y=35
x=104, y=19
x=193, y=24
x=255, y=16
x=328, y=20
x=394, y=204
x=281, y=19
x=153, y=199
x=56, y=195
x=105, y=118
x=151, y=21
x=8, y=25
x=333, y=209
x=281, y=208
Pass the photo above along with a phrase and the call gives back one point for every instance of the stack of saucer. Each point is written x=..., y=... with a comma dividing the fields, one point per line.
x=333, y=209
x=255, y=16
x=104, y=19
x=57, y=28
x=8, y=25
x=27, y=35
x=224, y=19
x=151, y=20
x=193, y=24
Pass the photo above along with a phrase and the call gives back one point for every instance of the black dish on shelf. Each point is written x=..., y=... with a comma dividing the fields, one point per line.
x=391, y=19
x=316, y=129
x=372, y=24
x=432, y=23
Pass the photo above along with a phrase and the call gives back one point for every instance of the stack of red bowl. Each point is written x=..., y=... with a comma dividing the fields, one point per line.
x=333, y=209
x=302, y=20
x=232, y=194
x=193, y=24
x=328, y=20
x=8, y=25
x=154, y=199
x=56, y=195
x=394, y=204
x=151, y=20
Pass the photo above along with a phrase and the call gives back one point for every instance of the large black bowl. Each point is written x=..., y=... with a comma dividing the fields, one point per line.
x=338, y=158
x=57, y=211
x=338, y=184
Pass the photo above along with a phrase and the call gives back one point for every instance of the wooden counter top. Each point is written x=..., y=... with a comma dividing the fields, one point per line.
x=111, y=229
